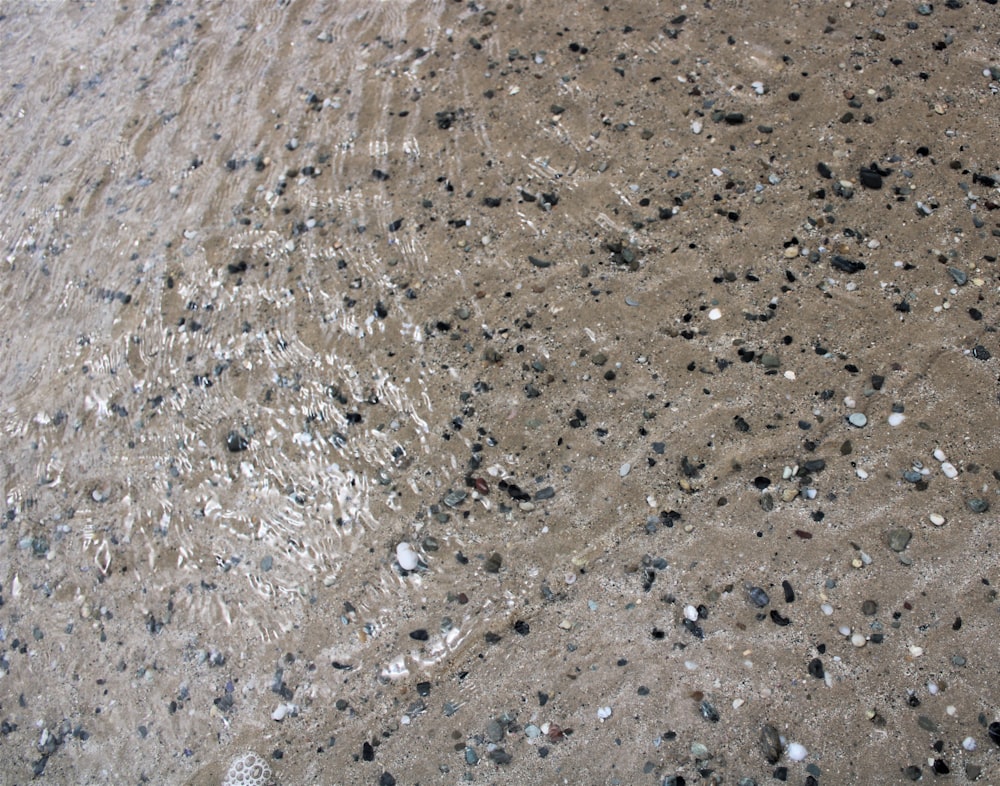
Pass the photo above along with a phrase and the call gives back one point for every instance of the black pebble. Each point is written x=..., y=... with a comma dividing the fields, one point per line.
x=236, y=442
x=420, y=634
x=816, y=668
x=870, y=178
x=522, y=627
x=386, y=779
x=824, y=170
x=789, y=592
x=367, y=752
x=994, y=731
x=846, y=265
x=777, y=619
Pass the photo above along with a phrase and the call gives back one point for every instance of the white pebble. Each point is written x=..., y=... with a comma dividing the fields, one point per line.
x=916, y=651
x=691, y=613
x=690, y=665
x=281, y=712
x=844, y=630
x=715, y=314
x=951, y=710
x=932, y=688
x=969, y=744
x=797, y=752
x=604, y=713
x=937, y=519
x=861, y=473
x=826, y=608
x=858, y=639
x=406, y=556
x=624, y=469
x=896, y=418
x=696, y=127
x=949, y=470
x=939, y=454
x=737, y=703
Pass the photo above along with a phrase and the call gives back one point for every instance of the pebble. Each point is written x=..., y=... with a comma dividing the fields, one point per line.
x=899, y=538
x=858, y=639
x=406, y=556
x=937, y=519
x=858, y=419
x=770, y=743
x=797, y=752
x=949, y=470
x=758, y=597
x=978, y=505
x=604, y=713
x=624, y=469
x=896, y=419
x=715, y=314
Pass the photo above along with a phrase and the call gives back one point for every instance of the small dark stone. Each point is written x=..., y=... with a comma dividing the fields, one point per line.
x=912, y=772
x=870, y=178
x=420, y=634
x=758, y=597
x=770, y=743
x=994, y=732
x=500, y=756
x=846, y=265
x=869, y=608
x=978, y=505
x=779, y=620
x=940, y=767
x=979, y=352
x=816, y=668
x=492, y=565
x=236, y=442
x=761, y=482
x=367, y=751
x=786, y=587
x=522, y=627
x=824, y=170
x=708, y=712
x=386, y=779
x=539, y=262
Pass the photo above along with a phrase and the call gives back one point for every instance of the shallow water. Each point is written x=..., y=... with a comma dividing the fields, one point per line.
x=305, y=231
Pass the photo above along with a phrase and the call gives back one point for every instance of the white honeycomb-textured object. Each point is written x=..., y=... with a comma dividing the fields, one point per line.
x=248, y=770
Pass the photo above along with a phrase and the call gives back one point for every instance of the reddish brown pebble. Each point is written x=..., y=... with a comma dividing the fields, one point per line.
x=481, y=485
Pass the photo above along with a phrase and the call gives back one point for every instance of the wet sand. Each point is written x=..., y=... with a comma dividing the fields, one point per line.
x=581, y=302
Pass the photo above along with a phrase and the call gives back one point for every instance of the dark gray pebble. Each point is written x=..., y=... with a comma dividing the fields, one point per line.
x=236, y=442
x=386, y=779
x=758, y=597
x=500, y=756
x=870, y=178
x=899, y=538
x=539, y=262
x=708, y=712
x=770, y=743
x=493, y=563
x=816, y=668
x=978, y=505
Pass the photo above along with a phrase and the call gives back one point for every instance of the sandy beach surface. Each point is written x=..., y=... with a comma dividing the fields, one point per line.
x=518, y=393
